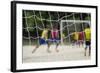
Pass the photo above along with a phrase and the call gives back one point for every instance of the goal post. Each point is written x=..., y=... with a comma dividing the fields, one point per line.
x=73, y=22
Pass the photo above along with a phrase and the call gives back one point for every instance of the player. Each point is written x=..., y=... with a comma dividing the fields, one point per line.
x=75, y=37
x=43, y=39
x=87, y=32
x=55, y=36
x=81, y=38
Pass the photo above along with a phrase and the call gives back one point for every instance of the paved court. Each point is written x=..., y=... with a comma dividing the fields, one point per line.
x=66, y=53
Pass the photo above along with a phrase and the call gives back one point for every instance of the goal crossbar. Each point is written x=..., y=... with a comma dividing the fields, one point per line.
x=76, y=21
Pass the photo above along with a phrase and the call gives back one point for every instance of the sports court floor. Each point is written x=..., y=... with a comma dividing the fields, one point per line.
x=66, y=53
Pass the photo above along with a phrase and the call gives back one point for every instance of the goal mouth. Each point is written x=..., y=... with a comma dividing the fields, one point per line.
x=71, y=27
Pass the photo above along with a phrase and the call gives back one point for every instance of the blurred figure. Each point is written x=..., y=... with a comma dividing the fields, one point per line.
x=81, y=38
x=87, y=32
x=43, y=39
x=75, y=37
x=55, y=36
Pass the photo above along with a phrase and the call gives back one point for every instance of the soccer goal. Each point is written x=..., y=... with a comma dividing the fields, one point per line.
x=66, y=22
x=68, y=27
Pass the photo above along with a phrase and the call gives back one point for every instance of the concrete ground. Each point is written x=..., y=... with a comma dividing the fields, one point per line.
x=66, y=53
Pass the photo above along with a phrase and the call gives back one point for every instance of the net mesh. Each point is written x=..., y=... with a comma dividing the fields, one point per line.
x=67, y=22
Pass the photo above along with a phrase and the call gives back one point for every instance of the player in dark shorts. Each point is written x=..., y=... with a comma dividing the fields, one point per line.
x=87, y=32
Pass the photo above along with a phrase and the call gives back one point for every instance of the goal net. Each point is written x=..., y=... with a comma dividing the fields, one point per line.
x=34, y=23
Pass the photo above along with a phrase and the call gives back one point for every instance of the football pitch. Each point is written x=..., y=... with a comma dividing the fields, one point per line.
x=66, y=53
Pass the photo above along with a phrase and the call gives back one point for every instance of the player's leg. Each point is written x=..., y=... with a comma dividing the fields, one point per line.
x=86, y=43
x=57, y=41
x=48, y=44
x=57, y=44
x=79, y=42
x=41, y=41
x=82, y=42
x=37, y=46
x=73, y=42
x=85, y=50
x=89, y=48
